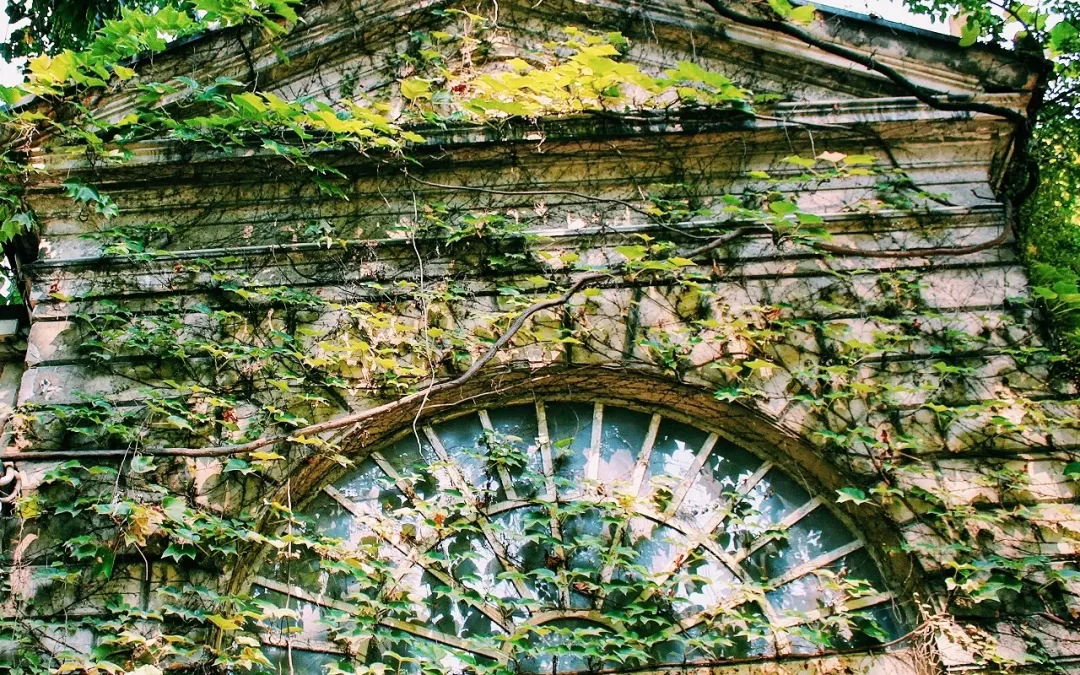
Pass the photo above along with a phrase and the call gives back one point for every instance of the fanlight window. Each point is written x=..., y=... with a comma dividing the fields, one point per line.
x=561, y=537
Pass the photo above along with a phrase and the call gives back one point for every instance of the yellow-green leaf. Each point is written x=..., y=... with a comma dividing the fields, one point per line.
x=224, y=624
x=803, y=14
x=415, y=88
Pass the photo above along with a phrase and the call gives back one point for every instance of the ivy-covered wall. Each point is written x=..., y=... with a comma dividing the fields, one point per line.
x=828, y=279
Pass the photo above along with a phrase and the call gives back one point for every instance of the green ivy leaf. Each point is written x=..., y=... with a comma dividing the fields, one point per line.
x=227, y=625
x=799, y=161
x=632, y=253
x=178, y=552
x=178, y=422
x=142, y=464
x=781, y=7
x=104, y=562
x=1072, y=471
x=174, y=508
x=970, y=33
x=850, y=494
x=238, y=465
x=16, y=224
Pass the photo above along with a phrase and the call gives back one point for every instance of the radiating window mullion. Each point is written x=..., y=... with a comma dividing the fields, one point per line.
x=815, y=564
x=704, y=537
x=767, y=610
x=369, y=519
x=635, y=484
x=457, y=479
x=387, y=622
x=679, y=494
x=316, y=646
x=785, y=524
x=742, y=489
x=544, y=439
x=392, y=473
x=645, y=455
x=415, y=555
x=411, y=555
x=592, y=467
x=552, y=490
x=853, y=605
x=696, y=539
x=377, y=524
x=505, y=478
x=450, y=466
x=407, y=557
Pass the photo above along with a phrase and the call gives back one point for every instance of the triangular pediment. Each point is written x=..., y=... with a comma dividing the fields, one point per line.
x=344, y=50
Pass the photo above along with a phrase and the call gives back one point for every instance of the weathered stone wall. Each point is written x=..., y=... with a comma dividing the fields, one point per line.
x=239, y=243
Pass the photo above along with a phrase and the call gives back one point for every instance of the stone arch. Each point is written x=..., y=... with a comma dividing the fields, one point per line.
x=646, y=393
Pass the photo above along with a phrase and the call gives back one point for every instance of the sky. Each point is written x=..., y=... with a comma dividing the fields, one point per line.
x=10, y=73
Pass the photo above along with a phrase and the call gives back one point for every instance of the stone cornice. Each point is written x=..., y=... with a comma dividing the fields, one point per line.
x=836, y=114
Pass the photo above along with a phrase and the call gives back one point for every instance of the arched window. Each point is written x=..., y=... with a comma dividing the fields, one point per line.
x=567, y=536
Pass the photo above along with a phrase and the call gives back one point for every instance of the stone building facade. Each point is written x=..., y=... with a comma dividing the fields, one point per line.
x=909, y=337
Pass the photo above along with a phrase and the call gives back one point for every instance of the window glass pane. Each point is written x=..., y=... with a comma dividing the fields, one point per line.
x=394, y=650
x=327, y=522
x=517, y=426
x=378, y=498
x=874, y=625
x=367, y=486
x=657, y=545
x=306, y=627
x=723, y=470
x=859, y=565
x=703, y=583
x=588, y=540
x=448, y=615
x=330, y=520
x=817, y=533
x=462, y=438
x=622, y=435
x=737, y=633
x=570, y=431
x=526, y=535
x=516, y=420
x=472, y=562
x=673, y=453
x=564, y=646
x=852, y=575
x=767, y=503
x=648, y=550
x=859, y=629
x=776, y=496
x=411, y=461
